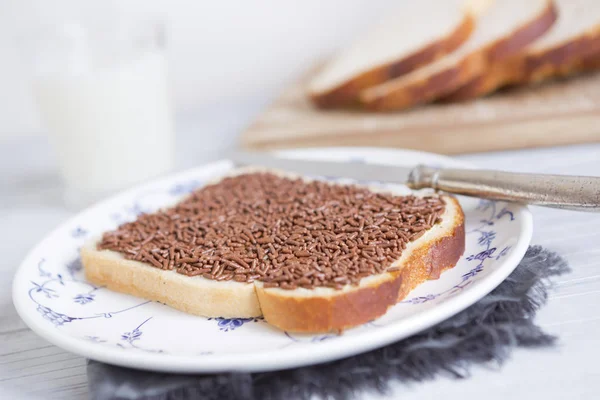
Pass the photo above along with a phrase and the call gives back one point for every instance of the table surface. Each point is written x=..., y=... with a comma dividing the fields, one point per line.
x=30, y=207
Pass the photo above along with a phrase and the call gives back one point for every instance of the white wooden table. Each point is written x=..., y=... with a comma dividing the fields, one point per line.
x=30, y=207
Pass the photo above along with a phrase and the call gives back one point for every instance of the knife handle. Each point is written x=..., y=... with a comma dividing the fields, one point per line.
x=581, y=193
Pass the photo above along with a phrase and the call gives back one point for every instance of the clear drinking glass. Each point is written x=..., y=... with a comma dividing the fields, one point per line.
x=101, y=89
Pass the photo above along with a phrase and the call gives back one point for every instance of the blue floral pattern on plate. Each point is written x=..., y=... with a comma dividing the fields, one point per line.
x=230, y=324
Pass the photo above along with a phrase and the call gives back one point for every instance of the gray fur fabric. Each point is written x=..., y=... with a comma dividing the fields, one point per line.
x=485, y=332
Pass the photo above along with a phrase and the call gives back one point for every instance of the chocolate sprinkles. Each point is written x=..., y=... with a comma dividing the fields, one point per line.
x=286, y=233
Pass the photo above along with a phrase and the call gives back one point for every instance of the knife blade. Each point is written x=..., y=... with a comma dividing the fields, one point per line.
x=357, y=171
x=580, y=193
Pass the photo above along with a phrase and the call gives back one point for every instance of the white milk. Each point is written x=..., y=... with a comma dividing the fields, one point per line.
x=110, y=125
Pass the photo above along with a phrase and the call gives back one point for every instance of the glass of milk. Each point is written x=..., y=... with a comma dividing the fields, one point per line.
x=101, y=89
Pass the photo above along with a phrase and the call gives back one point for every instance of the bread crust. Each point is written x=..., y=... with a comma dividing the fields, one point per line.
x=546, y=64
x=588, y=64
x=346, y=94
x=524, y=35
x=425, y=89
x=301, y=310
x=401, y=94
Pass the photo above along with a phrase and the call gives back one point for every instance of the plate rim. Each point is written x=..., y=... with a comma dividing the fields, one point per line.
x=269, y=360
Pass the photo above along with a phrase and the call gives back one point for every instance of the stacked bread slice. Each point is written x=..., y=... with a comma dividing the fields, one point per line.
x=513, y=42
x=397, y=45
x=503, y=30
x=569, y=46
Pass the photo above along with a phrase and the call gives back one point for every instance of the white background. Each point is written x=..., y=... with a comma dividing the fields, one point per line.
x=219, y=51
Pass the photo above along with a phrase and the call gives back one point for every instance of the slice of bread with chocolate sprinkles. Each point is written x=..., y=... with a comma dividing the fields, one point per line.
x=310, y=256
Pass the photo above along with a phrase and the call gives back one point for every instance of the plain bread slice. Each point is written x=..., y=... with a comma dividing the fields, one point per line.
x=397, y=45
x=574, y=37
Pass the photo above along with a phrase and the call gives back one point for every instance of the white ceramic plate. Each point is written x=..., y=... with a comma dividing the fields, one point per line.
x=53, y=298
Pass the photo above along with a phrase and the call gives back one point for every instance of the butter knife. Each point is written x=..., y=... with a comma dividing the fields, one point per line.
x=580, y=193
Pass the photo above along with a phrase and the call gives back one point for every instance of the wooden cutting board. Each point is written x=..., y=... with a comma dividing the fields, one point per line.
x=558, y=113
